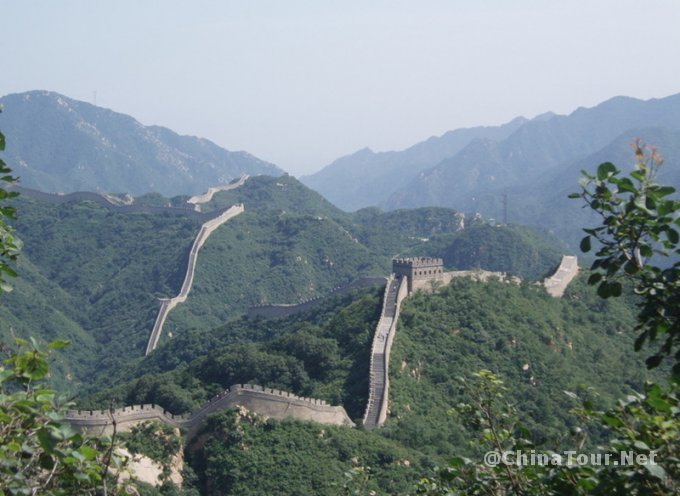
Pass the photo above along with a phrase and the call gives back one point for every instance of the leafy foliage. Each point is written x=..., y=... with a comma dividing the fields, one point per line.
x=639, y=221
x=40, y=453
x=323, y=353
x=245, y=454
x=8, y=244
x=541, y=345
x=644, y=424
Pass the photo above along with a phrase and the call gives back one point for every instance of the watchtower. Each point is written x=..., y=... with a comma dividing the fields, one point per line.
x=418, y=269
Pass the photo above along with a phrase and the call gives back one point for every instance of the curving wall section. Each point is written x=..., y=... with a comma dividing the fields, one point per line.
x=168, y=304
x=557, y=284
x=206, y=197
x=272, y=403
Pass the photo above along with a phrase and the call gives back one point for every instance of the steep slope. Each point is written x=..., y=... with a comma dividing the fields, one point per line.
x=99, y=270
x=58, y=144
x=541, y=346
x=367, y=178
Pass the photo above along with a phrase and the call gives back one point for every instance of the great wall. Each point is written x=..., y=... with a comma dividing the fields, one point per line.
x=277, y=311
x=272, y=403
x=426, y=274
x=409, y=275
x=556, y=284
x=207, y=196
x=168, y=304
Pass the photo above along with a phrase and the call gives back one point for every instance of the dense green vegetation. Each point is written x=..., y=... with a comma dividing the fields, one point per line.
x=94, y=276
x=323, y=354
x=541, y=345
x=513, y=249
x=243, y=454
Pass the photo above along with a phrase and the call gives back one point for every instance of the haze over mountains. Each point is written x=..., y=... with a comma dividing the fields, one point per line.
x=534, y=164
x=58, y=144
x=530, y=165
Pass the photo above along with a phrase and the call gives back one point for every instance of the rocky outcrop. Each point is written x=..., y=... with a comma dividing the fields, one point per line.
x=272, y=403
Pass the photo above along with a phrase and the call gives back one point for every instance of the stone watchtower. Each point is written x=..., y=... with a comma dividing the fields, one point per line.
x=418, y=269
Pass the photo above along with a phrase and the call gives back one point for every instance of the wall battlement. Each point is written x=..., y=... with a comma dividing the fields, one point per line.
x=268, y=402
x=418, y=268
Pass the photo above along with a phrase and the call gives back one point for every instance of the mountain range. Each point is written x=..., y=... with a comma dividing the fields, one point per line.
x=530, y=165
x=57, y=144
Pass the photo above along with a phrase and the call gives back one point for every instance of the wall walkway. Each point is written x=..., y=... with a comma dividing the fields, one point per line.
x=272, y=403
x=168, y=304
x=557, y=284
x=378, y=390
x=206, y=197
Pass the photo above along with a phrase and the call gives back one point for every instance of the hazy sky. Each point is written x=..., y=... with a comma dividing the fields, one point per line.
x=300, y=83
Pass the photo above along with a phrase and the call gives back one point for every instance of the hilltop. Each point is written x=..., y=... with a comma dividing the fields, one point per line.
x=80, y=147
x=96, y=272
x=530, y=165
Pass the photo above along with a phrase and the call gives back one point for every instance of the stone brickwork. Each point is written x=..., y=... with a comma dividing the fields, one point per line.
x=272, y=403
x=378, y=390
x=418, y=269
x=557, y=284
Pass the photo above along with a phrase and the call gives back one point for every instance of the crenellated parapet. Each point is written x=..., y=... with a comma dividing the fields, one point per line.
x=417, y=269
x=268, y=402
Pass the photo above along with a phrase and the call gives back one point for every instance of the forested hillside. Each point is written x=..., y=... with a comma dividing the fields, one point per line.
x=543, y=346
x=97, y=272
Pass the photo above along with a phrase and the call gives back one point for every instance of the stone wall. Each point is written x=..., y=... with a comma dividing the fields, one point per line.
x=272, y=403
x=557, y=284
x=376, y=406
x=284, y=310
x=168, y=304
x=417, y=268
x=431, y=283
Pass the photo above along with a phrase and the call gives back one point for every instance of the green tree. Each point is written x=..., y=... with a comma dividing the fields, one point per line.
x=639, y=221
x=9, y=246
x=40, y=453
x=639, y=226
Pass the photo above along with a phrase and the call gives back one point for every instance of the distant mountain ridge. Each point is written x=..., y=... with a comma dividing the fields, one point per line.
x=530, y=165
x=461, y=167
x=57, y=144
x=366, y=178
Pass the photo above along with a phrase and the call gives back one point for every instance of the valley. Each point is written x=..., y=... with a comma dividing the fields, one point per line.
x=254, y=326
